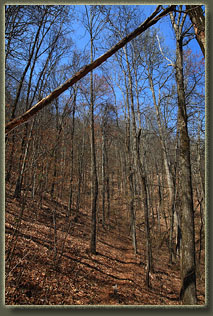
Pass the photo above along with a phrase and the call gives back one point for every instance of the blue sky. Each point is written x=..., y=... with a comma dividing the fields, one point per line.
x=164, y=25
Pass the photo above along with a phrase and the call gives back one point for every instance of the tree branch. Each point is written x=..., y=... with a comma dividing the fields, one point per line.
x=170, y=62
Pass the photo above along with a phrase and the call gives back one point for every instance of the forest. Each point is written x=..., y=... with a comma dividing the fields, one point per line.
x=105, y=155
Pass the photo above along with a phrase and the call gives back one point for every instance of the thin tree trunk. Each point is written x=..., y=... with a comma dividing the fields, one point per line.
x=10, y=160
x=159, y=206
x=108, y=187
x=130, y=172
x=103, y=175
x=80, y=172
x=25, y=71
x=55, y=236
x=72, y=152
x=18, y=188
x=94, y=179
x=56, y=151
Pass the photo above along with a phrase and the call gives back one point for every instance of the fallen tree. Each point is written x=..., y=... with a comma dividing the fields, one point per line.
x=151, y=20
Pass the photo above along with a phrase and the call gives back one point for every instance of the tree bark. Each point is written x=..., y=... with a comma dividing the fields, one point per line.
x=197, y=18
x=72, y=152
x=187, y=258
x=130, y=167
x=55, y=151
x=103, y=170
x=94, y=177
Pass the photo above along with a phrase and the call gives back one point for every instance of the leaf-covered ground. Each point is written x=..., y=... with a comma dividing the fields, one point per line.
x=44, y=268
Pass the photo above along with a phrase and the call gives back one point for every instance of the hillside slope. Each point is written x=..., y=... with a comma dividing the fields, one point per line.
x=48, y=261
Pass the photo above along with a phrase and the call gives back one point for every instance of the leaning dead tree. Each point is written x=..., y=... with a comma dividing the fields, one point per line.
x=151, y=20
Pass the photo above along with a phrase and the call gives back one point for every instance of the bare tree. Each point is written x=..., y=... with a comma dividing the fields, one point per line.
x=94, y=27
x=188, y=265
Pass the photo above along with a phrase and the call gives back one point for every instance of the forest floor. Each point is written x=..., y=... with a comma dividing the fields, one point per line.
x=37, y=273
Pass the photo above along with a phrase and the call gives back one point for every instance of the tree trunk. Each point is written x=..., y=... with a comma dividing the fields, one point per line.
x=107, y=187
x=188, y=266
x=17, y=192
x=94, y=178
x=130, y=173
x=55, y=151
x=197, y=18
x=80, y=172
x=103, y=175
x=72, y=153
